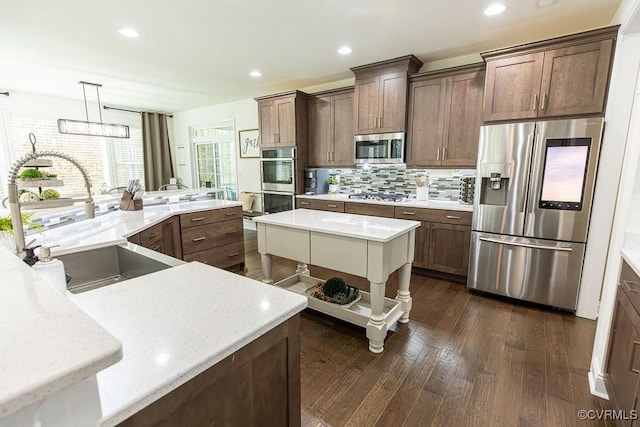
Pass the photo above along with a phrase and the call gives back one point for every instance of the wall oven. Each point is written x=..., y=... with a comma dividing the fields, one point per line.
x=273, y=202
x=379, y=148
x=277, y=169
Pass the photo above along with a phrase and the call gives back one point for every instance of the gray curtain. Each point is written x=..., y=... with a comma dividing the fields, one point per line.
x=158, y=165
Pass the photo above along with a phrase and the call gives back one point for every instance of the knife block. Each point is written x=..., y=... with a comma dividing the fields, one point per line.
x=128, y=204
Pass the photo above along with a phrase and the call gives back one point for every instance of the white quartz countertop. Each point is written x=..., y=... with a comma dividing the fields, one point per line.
x=114, y=228
x=633, y=259
x=341, y=224
x=175, y=324
x=427, y=204
x=48, y=343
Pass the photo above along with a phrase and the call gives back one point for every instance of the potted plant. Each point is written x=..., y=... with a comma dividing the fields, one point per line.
x=334, y=186
x=31, y=174
x=6, y=229
x=335, y=290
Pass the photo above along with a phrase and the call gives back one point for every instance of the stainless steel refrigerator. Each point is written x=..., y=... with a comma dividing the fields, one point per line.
x=534, y=188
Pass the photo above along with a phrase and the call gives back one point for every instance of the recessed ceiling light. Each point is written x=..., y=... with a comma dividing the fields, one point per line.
x=494, y=9
x=129, y=32
x=345, y=50
x=255, y=73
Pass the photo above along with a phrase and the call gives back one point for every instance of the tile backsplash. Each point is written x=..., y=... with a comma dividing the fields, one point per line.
x=444, y=184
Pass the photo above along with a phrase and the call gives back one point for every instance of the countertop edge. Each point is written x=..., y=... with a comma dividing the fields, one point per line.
x=412, y=203
x=199, y=368
x=632, y=257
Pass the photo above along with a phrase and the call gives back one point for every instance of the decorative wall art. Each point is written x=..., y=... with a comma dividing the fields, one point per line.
x=249, y=143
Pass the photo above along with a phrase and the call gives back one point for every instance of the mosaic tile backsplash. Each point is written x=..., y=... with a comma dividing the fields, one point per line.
x=443, y=185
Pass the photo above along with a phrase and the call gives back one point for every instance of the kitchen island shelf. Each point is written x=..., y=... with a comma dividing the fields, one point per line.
x=357, y=313
x=27, y=183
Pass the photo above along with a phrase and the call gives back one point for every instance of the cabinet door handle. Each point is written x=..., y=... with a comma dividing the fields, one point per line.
x=233, y=254
x=152, y=235
x=327, y=156
x=408, y=213
x=332, y=206
x=229, y=213
x=305, y=203
x=156, y=248
x=380, y=122
x=453, y=217
x=438, y=154
x=633, y=358
x=200, y=218
x=375, y=123
x=628, y=284
x=332, y=156
x=543, y=102
x=199, y=239
x=535, y=102
x=444, y=153
x=230, y=232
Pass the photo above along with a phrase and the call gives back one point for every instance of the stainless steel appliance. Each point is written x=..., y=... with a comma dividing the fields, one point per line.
x=277, y=168
x=278, y=172
x=273, y=201
x=379, y=148
x=315, y=181
x=534, y=187
x=467, y=189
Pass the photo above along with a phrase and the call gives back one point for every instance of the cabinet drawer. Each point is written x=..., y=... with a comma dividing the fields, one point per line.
x=203, y=237
x=434, y=215
x=630, y=283
x=151, y=235
x=369, y=209
x=321, y=205
x=210, y=216
x=157, y=246
x=222, y=256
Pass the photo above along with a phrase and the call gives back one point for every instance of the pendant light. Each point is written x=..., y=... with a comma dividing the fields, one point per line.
x=80, y=127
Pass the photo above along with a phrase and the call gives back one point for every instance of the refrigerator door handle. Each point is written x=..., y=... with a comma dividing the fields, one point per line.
x=525, y=245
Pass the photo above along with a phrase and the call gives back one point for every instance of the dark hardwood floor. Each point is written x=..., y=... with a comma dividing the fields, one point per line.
x=463, y=360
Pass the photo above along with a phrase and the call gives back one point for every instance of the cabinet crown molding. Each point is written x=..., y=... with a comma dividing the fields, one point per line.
x=555, y=42
x=292, y=93
x=404, y=63
x=337, y=91
x=446, y=72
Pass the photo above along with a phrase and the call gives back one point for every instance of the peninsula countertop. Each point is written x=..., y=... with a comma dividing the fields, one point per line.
x=113, y=228
x=176, y=323
x=341, y=224
x=49, y=343
x=411, y=202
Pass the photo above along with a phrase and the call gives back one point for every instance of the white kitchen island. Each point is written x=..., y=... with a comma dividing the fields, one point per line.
x=364, y=246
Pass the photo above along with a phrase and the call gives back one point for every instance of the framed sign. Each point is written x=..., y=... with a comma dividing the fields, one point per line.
x=249, y=143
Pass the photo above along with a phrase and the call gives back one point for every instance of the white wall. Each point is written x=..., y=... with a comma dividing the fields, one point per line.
x=622, y=135
x=245, y=116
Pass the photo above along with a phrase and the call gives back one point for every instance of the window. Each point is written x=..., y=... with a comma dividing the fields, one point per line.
x=108, y=162
x=215, y=158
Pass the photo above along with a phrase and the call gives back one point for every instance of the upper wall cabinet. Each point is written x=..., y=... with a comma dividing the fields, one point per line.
x=330, y=116
x=380, y=99
x=445, y=113
x=282, y=119
x=565, y=76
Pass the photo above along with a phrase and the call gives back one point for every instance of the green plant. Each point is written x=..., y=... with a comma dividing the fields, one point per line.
x=50, y=175
x=335, y=286
x=50, y=194
x=31, y=174
x=7, y=225
x=333, y=180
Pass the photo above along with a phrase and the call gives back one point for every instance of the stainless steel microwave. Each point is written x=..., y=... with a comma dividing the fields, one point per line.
x=379, y=148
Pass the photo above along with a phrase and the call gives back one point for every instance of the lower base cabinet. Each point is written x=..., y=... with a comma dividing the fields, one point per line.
x=623, y=366
x=214, y=237
x=257, y=385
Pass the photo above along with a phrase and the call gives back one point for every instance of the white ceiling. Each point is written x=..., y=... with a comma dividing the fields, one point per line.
x=196, y=53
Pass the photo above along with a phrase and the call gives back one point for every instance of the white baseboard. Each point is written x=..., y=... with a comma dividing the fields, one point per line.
x=596, y=380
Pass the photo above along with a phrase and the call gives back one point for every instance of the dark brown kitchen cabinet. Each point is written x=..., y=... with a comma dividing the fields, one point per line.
x=282, y=119
x=566, y=76
x=330, y=128
x=623, y=366
x=442, y=240
x=380, y=99
x=320, y=205
x=172, y=239
x=258, y=384
x=445, y=114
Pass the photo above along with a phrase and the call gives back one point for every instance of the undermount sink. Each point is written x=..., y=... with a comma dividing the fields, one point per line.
x=100, y=267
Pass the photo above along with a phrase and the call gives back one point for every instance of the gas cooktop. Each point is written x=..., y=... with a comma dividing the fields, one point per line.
x=388, y=197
